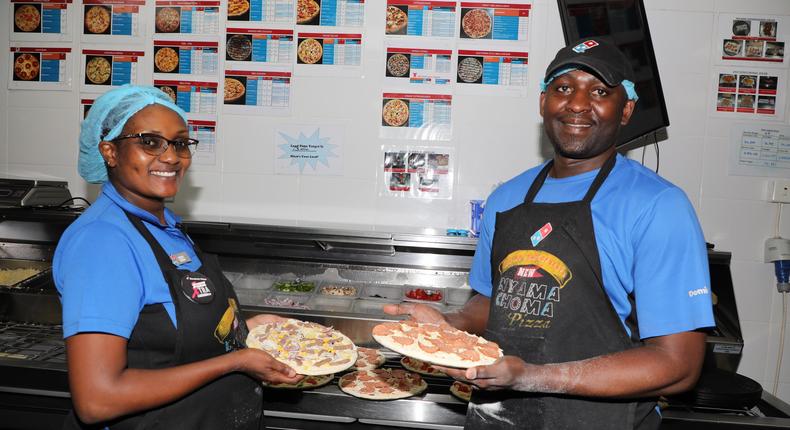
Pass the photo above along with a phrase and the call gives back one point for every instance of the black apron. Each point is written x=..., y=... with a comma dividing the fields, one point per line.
x=548, y=305
x=209, y=325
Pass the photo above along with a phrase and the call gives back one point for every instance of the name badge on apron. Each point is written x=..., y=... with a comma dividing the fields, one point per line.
x=180, y=258
x=197, y=287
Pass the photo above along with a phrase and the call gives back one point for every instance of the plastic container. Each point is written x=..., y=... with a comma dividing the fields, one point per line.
x=233, y=277
x=341, y=289
x=371, y=307
x=382, y=292
x=280, y=286
x=458, y=296
x=252, y=281
x=285, y=300
x=325, y=303
x=419, y=294
x=254, y=297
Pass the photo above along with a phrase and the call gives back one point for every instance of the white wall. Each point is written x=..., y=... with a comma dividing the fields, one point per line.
x=38, y=137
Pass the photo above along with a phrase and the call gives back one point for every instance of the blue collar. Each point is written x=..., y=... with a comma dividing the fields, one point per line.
x=170, y=218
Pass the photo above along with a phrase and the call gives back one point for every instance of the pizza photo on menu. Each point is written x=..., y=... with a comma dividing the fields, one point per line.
x=438, y=344
x=368, y=358
x=98, y=70
x=309, y=348
x=382, y=384
x=397, y=19
x=309, y=51
x=98, y=20
x=470, y=70
x=395, y=113
x=168, y=20
x=238, y=10
x=307, y=383
x=27, y=18
x=307, y=12
x=166, y=60
x=476, y=23
x=170, y=91
x=238, y=47
x=398, y=65
x=235, y=89
x=27, y=66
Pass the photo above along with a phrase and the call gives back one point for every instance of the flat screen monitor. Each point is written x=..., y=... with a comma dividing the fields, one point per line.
x=625, y=22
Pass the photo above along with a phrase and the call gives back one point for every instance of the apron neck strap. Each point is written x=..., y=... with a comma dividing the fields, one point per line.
x=159, y=252
x=538, y=182
x=603, y=173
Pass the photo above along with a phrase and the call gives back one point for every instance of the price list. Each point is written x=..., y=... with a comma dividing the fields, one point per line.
x=492, y=68
x=40, y=16
x=112, y=17
x=270, y=46
x=348, y=13
x=420, y=66
x=494, y=21
x=187, y=17
x=330, y=49
x=281, y=11
x=103, y=67
x=421, y=18
x=185, y=57
x=421, y=109
x=258, y=88
x=193, y=97
x=40, y=64
x=205, y=132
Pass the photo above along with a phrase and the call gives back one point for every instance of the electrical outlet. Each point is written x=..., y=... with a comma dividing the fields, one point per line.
x=779, y=191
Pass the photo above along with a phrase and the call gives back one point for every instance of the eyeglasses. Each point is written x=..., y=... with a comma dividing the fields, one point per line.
x=154, y=144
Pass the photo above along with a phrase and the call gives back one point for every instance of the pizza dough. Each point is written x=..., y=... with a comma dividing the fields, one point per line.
x=98, y=70
x=168, y=20
x=470, y=69
x=395, y=112
x=238, y=7
x=310, y=51
x=396, y=19
x=309, y=348
x=306, y=11
x=369, y=358
x=234, y=89
x=382, y=384
x=461, y=390
x=398, y=65
x=420, y=367
x=169, y=91
x=26, y=67
x=166, y=60
x=476, y=23
x=27, y=18
x=97, y=19
x=239, y=47
x=306, y=383
x=439, y=344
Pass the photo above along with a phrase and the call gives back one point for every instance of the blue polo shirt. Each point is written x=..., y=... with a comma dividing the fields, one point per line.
x=106, y=272
x=648, y=238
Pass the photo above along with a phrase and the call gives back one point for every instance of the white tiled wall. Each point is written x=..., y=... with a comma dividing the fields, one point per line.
x=38, y=137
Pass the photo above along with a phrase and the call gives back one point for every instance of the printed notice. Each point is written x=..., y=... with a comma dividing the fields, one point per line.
x=420, y=18
x=417, y=172
x=257, y=91
x=755, y=39
x=280, y=11
x=37, y=68
x=494, y=21
x=308, y=150
x=186, y=17
x=206, y=134
x=85, y=105
x=418, y=66
x=40, y=19
x=328, y=54
x=751, y=93
x=259, y=45
x=193, y=97
x=185, y=57
x=341, y=13
x=103, y=68
x=416, y=116
x=760, y=150
x=111, y=18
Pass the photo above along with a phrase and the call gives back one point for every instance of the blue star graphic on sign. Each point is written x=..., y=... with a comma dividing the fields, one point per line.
x=303, y=150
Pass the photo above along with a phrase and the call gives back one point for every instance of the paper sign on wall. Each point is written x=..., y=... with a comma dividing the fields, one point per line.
x=752, y=39
x=417, y=172
x=41, y=20
x=309, y=150
x=760, y=150
x=750, y=93
x=38, y=68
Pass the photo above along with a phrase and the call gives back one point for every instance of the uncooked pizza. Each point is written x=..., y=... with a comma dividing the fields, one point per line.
x=398, y=65
x=306, y=11
x=369, y=358
x=27, y=18
x=26, y=67
x=420, y=367
x=97, y=19
x=396, y=19
x=98, y=70
x=310, y=51
x=309, y=348
x=166, y=60
x=238, y=7
x=395, y=112
x=461, y=390
x=476, y=23
x=234, y=89
x=382, y=384
x=306, y=383
x=239, y=47
x=168, y=20
x=439, y=344
x=170, y=93
x=470, y=69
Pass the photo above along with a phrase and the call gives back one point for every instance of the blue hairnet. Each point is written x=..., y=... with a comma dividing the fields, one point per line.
x=630, y=91
x=107, y=117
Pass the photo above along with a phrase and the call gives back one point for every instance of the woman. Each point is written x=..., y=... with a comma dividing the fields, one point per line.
x=153, y=334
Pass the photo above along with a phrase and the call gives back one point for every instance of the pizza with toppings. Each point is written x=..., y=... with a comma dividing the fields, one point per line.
x=170, y=92
x=26, y=67
x=369, y=358
x=395, y=113
x=396, y=20
x=238, y=7
x=310, y=51
x=166, y=60
x=168, y=20
x=309, y=348
x=439, y=344
x=27, y=18
x=420, y=367
x=98, y=70
x=306, y=11
x=234, y=89
x=476, y=23
x=306, y=383
x=461, y=390
x=97, y=19
x=382, y=384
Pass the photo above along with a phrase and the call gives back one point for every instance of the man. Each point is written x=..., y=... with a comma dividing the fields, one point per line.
x=583, y=269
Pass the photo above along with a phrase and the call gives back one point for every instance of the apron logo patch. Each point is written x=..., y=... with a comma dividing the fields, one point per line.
x=541, y=234
x=197, y=287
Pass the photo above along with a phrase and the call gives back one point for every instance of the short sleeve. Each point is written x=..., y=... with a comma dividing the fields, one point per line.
x=671, y=278
x=480, y=272
x=99, y=282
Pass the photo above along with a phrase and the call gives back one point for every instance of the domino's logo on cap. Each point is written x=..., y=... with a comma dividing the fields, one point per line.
x=584, y=46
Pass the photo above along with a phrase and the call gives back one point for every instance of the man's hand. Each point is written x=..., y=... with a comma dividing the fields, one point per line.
x=259, y=319
x=417, y=312
x=509, y=372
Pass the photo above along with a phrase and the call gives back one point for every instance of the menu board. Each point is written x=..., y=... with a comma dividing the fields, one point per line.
x=206, y=134
x=426, y=18
x=417, y=172
x=40, y=19
x=186, y=17
x=105, y=67
x=486, y=72
x=38, y=68
x=750, y=93
x=494, y=21
x=418, y=66
x=86, y=101
x=416, y=116
x=344, y=13
x=185, y=57
x=102, y=18
x=257, y=91
x=757, y=39
x=259, y=45
x=192, y=97
x=330, y=54
x=760, y=150
x=280, y=11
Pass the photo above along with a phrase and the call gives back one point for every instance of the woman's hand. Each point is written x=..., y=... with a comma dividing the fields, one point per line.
x=264, y=367
x=259, y=319
x=417, y=312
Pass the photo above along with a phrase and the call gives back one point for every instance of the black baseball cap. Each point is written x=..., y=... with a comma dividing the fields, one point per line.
x=593, y=54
